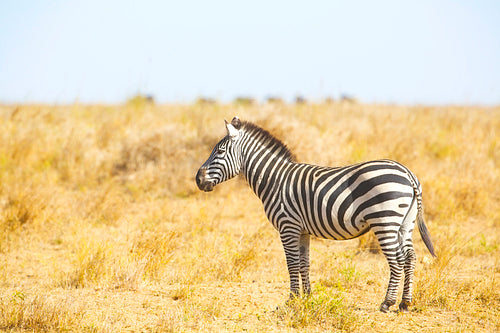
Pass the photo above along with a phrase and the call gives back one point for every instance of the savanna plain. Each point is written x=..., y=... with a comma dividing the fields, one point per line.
x=102, y=227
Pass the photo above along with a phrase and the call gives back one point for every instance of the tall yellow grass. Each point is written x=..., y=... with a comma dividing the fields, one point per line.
x=102, y=227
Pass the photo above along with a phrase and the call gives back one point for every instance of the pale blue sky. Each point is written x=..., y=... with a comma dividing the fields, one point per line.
x=425, y=52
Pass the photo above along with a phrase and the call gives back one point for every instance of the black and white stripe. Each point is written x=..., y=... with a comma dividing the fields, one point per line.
x=335, y=203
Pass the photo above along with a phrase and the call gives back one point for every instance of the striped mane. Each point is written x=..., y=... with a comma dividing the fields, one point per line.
x=268, y=139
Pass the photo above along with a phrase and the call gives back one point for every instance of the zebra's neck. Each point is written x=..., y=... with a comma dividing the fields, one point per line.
x=263, y=157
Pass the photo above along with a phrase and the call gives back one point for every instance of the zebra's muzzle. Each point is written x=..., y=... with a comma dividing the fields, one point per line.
x=202, y=182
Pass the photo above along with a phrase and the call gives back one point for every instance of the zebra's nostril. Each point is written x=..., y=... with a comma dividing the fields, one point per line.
x=200, y=178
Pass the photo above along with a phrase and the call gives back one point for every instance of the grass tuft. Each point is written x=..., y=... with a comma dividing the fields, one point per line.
x=154, y=250
x=325, y=307
x=21, y=312
x=91, y=267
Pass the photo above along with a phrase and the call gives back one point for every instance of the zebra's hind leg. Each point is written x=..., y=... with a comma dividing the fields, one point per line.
x=304, y=263
x=409, y=267
x=391, y=248
x=408, y=254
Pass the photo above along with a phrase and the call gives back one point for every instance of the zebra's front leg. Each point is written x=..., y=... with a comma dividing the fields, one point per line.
x=304, y=263
x=290, y=241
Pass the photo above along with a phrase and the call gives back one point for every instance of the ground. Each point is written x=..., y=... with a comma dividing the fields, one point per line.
x=103, y=228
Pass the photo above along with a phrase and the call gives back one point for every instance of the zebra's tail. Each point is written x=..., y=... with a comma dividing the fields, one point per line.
x=422, y=228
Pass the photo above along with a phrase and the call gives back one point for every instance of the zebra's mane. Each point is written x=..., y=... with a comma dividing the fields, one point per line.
x=267, y=139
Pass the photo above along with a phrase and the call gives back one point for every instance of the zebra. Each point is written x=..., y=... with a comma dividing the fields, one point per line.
x=336, y=203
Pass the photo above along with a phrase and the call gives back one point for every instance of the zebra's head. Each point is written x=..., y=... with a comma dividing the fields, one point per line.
x=224, y=162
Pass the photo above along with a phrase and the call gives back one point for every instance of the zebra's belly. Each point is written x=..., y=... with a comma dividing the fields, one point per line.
x=327, y=233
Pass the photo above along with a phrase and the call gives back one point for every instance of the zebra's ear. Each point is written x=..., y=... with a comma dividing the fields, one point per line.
x=236, y=122
x=231, y=130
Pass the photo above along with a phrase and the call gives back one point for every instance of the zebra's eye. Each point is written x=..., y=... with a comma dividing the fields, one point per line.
x=220, y=150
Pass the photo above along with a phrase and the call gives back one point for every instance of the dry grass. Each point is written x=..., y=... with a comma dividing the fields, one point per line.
x=102, y=228
x=39, y=313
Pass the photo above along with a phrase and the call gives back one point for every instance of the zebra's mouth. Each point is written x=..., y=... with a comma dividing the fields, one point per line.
x=207, y=187
x=202, y=182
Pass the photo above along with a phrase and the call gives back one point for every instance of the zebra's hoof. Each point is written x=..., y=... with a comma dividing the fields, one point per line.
x=403, y=306
x=385, y=306
x=294, y=296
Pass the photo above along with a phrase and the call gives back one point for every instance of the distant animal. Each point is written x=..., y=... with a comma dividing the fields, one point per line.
x=243, y=100
x=300, y=100
x=275, y=100
x=328, y=202
x=348, y=99
x=206, y=101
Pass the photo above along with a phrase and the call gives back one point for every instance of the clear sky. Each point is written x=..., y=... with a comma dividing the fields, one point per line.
x=425, y=52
